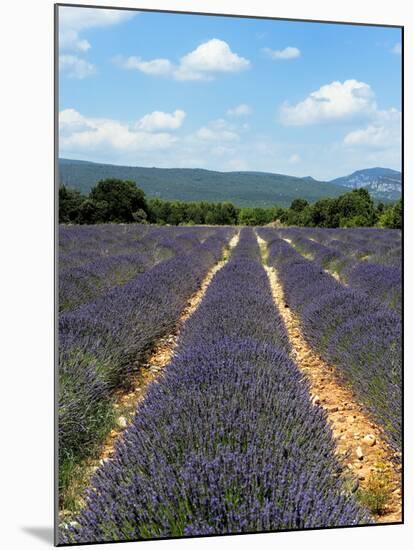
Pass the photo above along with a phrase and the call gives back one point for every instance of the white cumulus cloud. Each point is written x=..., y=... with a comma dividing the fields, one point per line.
x=156, y=67
x=372, y=136
x=289, y=52
x=80, y=134
x=74, y=20
x=240, y=110
x=158, y=120
x=217, y=131
x=70, y=40
x=382, y=133
x=71, y=121
x=332, y=102
x=210, y=57
x=75, y=67
x=203, y=63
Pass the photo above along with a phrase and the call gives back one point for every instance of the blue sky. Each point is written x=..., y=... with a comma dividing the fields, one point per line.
x=177, y=90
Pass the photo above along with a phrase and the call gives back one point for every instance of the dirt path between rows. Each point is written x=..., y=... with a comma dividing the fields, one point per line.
x=126, y=404
x=360, y=442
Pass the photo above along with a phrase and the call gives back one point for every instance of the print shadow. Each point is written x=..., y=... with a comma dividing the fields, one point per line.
x=44, y=534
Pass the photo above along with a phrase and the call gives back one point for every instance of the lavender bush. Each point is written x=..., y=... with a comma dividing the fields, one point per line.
x=380, y=282
x=102, y=343
x=227, y=441
x=95, y=259
x=349, y=329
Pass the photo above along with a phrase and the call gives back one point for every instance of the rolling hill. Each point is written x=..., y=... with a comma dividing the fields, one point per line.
x=193, y=184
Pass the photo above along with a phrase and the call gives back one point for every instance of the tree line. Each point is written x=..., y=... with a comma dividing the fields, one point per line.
x=119, y=201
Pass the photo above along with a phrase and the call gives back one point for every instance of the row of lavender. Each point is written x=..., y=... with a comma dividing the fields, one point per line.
x=357, y=334
x=377, y=245
x=228, y=440
x=381, y=246
x=102, y=343
x=353, y=260
x=94, y=259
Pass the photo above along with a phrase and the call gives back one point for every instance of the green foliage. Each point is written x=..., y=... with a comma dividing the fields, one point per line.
x=114, y=200
x=355, y=221
x=353, y=209
x=391, y=216
x=256, y=216
x=109, y=201
x=118, y=199
x=398, y=215
x=377, y=492
x=140, y=216
x=191, y=213
x=298, y=205
x=70, y=201
x=356, y=206
x=91, y=211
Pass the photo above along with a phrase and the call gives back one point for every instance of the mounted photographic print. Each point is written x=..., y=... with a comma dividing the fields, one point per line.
x=229, y=274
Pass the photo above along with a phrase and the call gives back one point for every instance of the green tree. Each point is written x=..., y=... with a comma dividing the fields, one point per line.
x=140, y=216
x=210, y=218
x=306, y=217
x=391, y=217
x=356, y=207
x=398, y=215
x=229, y=214
x=91, y=212
x=256, y=216
x=195, y=213
x=324, y=214
x=355, y=221
x=379, y=210
x=165, y=211
x=298, y=205
x=247, y=216
x=122, y=197
x=70, y=201
x=176, y=213
x=353, y=209
x=155, y=211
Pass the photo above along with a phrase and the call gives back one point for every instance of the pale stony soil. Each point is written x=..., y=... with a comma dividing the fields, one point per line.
x=360, y=442
x=126, y=403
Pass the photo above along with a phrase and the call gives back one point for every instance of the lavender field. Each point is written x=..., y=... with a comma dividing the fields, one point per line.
x=231, y=434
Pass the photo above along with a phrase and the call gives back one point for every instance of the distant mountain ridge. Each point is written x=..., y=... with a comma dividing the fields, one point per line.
x=382, y=183
x=195, y=184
